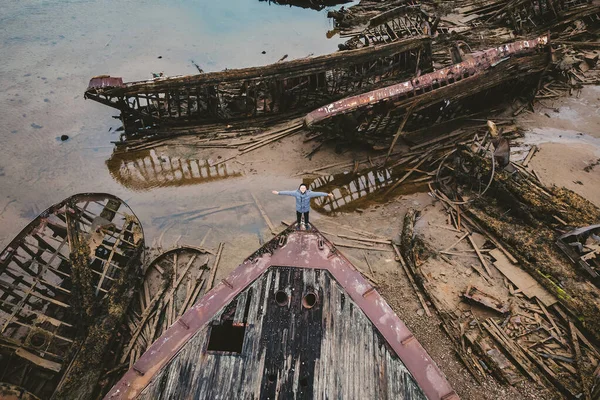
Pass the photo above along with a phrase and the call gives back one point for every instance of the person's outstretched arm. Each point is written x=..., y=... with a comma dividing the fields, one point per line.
x=284, y=192
x=320, y=194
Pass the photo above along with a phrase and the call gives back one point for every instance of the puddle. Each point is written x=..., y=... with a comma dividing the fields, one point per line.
x=355, y=192
x=148, y=169
x=537, y=136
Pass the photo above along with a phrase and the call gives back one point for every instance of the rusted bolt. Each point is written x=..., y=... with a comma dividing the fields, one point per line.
x=408, y=339
x=138, y=371
x=368, y=291
x=450, y=396
x=182, y=323
x=332, y=252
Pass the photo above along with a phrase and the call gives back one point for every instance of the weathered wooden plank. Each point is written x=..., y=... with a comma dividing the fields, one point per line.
x=51, y=365
x=289, y=351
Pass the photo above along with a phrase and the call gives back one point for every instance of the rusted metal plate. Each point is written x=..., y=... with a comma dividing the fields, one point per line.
x=105, y=81
x=476, y=64
x=299, y=249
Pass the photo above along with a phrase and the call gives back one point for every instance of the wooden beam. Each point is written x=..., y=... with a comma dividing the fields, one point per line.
x=213, y=272
x=411, y=279
x=578, y=362
x=399, y=131
x=39, y=361
x=264, y=215
x=483, y=261
x=145, y=315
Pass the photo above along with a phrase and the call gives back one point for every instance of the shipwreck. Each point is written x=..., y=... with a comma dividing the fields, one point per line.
x=436, y=96
x=295, y=319
x=63, y=273
x=267, y=94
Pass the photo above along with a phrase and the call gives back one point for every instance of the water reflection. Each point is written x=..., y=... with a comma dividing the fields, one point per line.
x=353, y=191
x=148, y=169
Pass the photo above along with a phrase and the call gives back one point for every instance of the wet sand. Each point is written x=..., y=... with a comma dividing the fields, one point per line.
x=51, y=50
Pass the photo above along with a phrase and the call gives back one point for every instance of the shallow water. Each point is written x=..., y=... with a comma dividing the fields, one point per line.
x=51, y=49
x=355, y=192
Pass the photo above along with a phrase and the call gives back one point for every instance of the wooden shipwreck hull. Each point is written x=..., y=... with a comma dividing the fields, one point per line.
x=173, y=282
x=532, y=15
x=399, y=23
x=436, y=95
x=294, y=320
x=273, y=91
x=46, y=284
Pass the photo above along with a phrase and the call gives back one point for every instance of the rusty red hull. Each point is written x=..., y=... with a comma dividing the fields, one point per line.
x=477, y=64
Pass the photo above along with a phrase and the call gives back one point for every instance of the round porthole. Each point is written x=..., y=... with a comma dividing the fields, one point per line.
x=38, y=339
x=309, y=300
x=281, y=298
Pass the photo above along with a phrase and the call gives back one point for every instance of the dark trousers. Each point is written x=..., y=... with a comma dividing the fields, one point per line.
x=299, y=217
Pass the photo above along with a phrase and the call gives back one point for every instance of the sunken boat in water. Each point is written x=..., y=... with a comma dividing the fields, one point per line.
x=483, y=79
x=64, y=281
x=295, y=320
x=260, y=95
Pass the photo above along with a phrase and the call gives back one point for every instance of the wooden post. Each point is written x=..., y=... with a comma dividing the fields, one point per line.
x=211, y=278
x=399, y=131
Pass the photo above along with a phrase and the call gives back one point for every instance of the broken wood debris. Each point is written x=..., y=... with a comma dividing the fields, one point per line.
x=173, y=282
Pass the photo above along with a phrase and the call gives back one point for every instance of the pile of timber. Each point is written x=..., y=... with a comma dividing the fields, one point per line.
x=533, y=337
x=173, y=282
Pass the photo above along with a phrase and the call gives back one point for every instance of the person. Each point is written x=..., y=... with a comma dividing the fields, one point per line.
x=303, y=196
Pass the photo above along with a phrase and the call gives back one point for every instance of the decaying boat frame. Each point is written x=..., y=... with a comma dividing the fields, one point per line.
x=531, y=15
x=173, y=283
x=396, y=24
x=46, y=284
x=312, y=4
x=380, y=112
x=582, y=246
x=277, y=90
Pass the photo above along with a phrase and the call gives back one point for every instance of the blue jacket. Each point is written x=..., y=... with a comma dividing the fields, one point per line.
x=302, y=200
